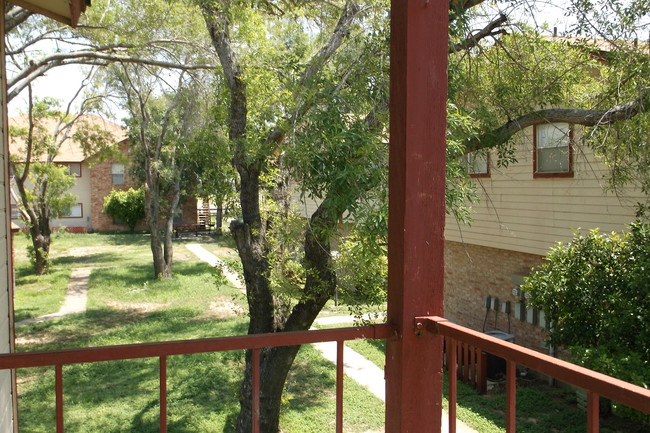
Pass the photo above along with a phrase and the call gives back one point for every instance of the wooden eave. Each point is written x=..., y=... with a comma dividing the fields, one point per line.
x=65, y=11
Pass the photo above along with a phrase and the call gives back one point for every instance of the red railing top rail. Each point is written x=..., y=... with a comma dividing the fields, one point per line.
x=620, y=391
x=184, y=347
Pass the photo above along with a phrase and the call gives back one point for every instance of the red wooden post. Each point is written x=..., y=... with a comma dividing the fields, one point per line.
x=163, y=394
x=416, y=212
x=451, y=377
x=511, y=397
x=58, y=391
x=339, y=386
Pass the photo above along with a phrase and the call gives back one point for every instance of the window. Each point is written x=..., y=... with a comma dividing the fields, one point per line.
x=15, y=212
x=552, y=155
x=478, y=164
x=75, y=211
x=117, y=172
x=74, y=168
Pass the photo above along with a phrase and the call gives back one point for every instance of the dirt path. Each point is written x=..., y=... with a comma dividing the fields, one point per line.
x=76, y=297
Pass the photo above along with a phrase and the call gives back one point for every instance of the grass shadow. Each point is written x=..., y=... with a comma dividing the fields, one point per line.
x=87, y=259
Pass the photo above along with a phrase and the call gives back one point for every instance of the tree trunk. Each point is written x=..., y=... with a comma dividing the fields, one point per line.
x=41, y=245
x=250, y=233
x=162, y=268
x=275, y=363
x=219, y=219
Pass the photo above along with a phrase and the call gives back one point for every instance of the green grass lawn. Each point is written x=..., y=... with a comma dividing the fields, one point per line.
x=126, y=305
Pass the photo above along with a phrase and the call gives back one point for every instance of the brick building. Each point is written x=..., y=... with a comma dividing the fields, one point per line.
x=95, y=178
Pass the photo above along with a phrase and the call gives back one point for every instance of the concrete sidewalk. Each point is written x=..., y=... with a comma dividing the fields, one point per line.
x=367, y=373
x=213, y=260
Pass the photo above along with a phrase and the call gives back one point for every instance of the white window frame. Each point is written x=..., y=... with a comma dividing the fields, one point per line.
x=478, y=164
x=70, y=165
x=117, y=172
x=71, y=212
x=553, y=140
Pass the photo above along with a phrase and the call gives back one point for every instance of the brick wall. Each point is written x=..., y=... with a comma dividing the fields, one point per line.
x=473, y=272
x=189, y=210
x=101, y=184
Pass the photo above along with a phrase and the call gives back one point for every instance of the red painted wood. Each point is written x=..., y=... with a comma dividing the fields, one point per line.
x=482, y=372
x=163, y=394
x=511, y=397
x=58, y=391
x=418, y=94
x=472, y=366
x=620, y=391
x=593, y=412
x=256, y=390
x=185, y=347
x=451, y=376
x=465, y=363
x=339, y=386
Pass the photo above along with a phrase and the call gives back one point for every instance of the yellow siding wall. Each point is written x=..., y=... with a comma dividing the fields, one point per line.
x=305, y=206
x=519, y=213
x=81, y=190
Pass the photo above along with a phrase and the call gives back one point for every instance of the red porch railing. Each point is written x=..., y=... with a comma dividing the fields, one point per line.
x=59, y=358
x=596, y=384
x=470, y=364
x=459, y=340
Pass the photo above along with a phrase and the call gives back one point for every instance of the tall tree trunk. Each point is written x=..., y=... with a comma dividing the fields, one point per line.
x=41, y=244
x=219, y=219
x=161, y=266
x=250, y=233
x=275, y=363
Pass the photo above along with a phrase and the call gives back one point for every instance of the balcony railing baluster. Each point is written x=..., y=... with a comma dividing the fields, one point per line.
x=58, y=390
x=593, y=412
x=256, y=390
x=451, y=368
x=511, y=397
x=163, y=394
x=339, y=386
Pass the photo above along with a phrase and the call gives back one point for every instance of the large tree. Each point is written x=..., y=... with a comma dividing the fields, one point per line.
x=306, y=88
x=166, y=117
x=39, y=184
x=278, y=87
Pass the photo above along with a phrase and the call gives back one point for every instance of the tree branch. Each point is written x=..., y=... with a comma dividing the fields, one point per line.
x=574, y=116
x=86, y=57
x=16, y=16
x=492, y=29
x=341, y=31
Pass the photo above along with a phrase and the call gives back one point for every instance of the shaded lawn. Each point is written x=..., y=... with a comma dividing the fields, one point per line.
x=125, y=306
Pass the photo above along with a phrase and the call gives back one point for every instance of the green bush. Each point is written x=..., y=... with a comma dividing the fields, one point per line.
x=595, y=291
x=126, y=206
